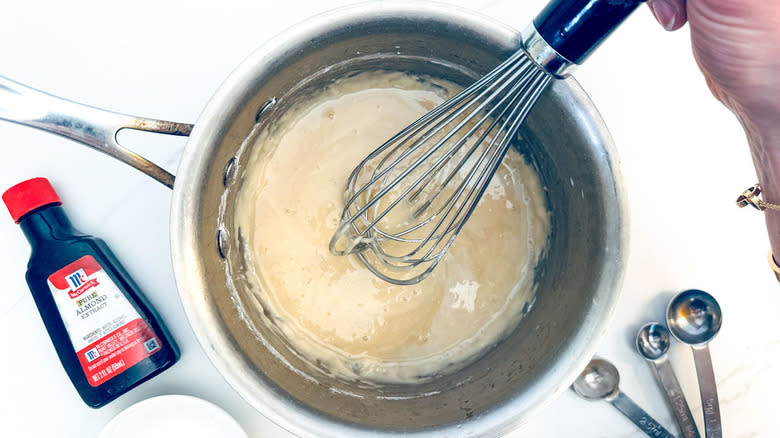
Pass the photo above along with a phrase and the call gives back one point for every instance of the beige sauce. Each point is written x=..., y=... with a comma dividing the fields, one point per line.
x=332, y=309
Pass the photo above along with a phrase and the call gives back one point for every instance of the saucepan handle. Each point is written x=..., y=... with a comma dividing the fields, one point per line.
x=91, y=126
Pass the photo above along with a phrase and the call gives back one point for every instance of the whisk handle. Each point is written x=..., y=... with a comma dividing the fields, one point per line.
x=574, y=28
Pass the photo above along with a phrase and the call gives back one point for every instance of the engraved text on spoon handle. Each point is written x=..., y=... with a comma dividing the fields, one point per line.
x=638, y=416
x=709, y=392
x=676, y=398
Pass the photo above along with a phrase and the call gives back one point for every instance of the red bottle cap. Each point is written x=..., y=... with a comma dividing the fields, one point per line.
x=28, y=196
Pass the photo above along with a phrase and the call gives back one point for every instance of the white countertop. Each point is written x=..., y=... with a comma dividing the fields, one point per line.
x=684, y=159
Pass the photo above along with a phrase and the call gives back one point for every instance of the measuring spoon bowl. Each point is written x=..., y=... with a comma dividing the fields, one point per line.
x=694, y=317
x=598, y=381
x=652, y=341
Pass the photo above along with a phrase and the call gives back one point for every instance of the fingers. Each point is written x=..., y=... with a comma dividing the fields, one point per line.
x=669, y=13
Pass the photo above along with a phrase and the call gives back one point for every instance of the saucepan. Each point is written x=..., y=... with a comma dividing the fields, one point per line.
x=577, y=279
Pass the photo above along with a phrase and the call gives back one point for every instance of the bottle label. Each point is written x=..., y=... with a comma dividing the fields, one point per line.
x=108, y=334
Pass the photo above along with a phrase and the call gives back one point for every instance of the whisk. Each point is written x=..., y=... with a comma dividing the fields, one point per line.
x=406, y=202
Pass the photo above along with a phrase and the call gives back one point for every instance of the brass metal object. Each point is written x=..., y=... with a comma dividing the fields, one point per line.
x=775, y=267
x=750, y=197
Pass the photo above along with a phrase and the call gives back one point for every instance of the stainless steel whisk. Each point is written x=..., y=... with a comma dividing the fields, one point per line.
x=406, y=202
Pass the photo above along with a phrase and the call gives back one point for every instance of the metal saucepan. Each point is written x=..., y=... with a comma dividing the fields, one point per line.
x=578, y=276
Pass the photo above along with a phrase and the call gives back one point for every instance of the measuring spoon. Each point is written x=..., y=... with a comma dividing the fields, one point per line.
x=652, y=342
x=694, y=318
x=599, y=381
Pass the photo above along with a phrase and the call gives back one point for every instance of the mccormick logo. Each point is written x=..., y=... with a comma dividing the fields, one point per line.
x=76, y=279
x=79, y=283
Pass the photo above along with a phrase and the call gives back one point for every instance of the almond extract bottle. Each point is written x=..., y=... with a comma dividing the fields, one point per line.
x=106, y=335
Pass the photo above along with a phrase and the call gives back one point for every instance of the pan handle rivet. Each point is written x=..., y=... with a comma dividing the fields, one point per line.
x=230, y=171
x=266, y=107
x=222, y=242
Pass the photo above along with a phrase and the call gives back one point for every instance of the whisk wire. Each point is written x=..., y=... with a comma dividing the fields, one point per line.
x=514, y=97
x=504, y=82
x=441, y=165
x=477, y=190
x=418, y=125
x=411, y=130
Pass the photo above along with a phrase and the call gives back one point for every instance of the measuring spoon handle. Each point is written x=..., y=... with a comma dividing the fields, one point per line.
x=674, y=394
x=638, y=416
x=708, y=391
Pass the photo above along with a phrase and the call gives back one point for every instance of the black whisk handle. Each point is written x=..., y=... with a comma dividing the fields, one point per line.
x=575, y=27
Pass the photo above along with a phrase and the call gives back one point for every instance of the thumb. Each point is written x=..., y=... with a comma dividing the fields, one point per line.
x=669, y=13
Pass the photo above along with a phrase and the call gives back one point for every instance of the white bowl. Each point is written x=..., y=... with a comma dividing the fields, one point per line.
x=169, y=416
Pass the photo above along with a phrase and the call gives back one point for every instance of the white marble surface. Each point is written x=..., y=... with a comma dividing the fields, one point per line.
x=683, y=156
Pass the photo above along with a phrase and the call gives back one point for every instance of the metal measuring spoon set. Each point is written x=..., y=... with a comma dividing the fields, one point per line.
x=693, y=318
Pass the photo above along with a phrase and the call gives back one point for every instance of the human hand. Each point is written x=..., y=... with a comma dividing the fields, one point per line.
x=737, y=46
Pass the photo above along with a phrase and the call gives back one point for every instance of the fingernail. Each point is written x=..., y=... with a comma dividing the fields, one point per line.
x=665, y=13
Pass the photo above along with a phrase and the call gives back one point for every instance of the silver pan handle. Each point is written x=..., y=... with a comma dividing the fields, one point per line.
x=88, y=125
